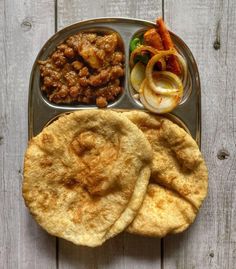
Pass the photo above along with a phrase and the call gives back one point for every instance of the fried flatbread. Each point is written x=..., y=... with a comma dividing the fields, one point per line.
x=86, y=174
x=179, y=178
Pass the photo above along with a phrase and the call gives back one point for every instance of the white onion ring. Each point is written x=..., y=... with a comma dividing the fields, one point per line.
x=184, y=72
x=149, y=49
x=171, y=77
x=149, y=72
x=160, y=107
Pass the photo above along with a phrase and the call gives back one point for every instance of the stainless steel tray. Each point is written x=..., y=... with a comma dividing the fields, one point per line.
x=41, y=111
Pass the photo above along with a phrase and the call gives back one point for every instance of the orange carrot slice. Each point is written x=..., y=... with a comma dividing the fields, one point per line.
x=152, y=38
x=172, y=62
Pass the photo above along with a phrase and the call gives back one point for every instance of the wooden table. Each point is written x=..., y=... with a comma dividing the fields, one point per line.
x=209, y=29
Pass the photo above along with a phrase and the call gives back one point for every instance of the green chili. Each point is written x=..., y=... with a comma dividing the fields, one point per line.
x=134, y=43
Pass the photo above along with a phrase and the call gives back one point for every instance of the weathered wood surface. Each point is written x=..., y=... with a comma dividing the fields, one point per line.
x=24, y=27
x=75, y=10
x=209, y=28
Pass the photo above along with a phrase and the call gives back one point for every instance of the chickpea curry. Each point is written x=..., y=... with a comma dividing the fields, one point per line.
x=88, y=68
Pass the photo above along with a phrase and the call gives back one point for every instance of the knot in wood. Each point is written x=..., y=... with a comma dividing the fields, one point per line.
x=26, y=25
x=216, y=45
x=223, y=154
x=1, y=140
x=211, y=254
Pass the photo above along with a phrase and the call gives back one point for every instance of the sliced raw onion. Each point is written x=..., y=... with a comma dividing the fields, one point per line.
x=158, y=103
x=136, y=96
x=149, y=74
x=165, y=81
x=137, y=75
x=184, y=71
x=140, y=49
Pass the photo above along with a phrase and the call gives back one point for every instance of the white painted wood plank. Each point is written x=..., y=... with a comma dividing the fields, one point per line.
x=24, y=27
x=76, y=10
x=123, y=251
x=211, y=241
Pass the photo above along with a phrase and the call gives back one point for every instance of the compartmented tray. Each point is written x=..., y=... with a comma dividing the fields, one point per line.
x=42, y=111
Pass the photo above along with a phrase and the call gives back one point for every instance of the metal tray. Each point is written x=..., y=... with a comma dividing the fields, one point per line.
x=41, y=111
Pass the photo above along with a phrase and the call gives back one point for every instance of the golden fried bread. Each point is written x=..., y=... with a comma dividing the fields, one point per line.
x=178, y=174
x=86, y=174
x=163, y=212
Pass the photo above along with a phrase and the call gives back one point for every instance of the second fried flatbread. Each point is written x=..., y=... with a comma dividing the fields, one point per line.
x=178, y=180
x=163, y=212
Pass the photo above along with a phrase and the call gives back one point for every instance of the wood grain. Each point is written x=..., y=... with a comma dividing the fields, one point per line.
x=76, y=10
x=123, y=251
x=209, y=28
x=24, y=27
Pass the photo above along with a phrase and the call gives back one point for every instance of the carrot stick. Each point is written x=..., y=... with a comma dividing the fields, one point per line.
x=172, y=63
x=164, y=33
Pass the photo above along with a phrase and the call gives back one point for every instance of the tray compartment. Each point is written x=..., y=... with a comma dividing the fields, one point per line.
x=180, y=49
x=49, y=50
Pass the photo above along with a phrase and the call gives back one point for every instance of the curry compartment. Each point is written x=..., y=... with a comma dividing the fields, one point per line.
x=41, y=110
x=181, y=50
x=86, y=68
